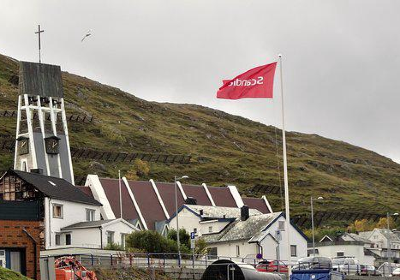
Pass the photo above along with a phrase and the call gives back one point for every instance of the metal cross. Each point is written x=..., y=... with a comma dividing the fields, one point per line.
x=38, y=33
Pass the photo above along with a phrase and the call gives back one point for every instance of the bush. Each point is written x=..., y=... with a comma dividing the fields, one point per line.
x=114, y=246
x=151, y=242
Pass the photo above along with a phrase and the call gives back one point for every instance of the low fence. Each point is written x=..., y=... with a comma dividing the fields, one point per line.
x=158, y=260
x=183, y=267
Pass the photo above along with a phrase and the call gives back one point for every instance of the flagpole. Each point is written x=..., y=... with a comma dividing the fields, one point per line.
x=285, y=174
x=120, y=193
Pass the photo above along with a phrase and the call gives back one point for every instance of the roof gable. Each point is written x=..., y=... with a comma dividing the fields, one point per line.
x=167, y=193
x=111, y=189
x=148, y=202
x=256, y=203
x=197, y=192
x=55, y=187
x=222, y=196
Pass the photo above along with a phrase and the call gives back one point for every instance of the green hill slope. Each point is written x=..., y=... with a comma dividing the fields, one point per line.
x=223, y=148
x=6, y=274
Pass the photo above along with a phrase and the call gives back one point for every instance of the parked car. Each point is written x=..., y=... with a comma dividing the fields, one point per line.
x=313, y=263
x=272, y=266
x=396, y=272
x=385, y=271
x=346, y=265
x=369, y=270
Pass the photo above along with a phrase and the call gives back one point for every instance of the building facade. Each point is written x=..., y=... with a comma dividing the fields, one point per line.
x=21, y=237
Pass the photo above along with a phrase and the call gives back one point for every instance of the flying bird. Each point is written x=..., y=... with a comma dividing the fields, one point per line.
x=87, y=35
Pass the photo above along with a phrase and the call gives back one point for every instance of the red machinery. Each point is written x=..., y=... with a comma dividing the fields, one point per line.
x=68, y=268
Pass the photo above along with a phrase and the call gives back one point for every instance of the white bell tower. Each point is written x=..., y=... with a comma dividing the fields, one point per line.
x=42, y=141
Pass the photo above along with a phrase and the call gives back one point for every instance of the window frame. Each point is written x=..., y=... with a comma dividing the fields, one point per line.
x=112, y=234
x=62, y=211
x=295, y=250
x=58, y=236
x=91, y=213
x=70, y=239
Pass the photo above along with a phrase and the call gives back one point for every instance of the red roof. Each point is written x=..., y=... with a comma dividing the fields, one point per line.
x=86, y=190
x=256, y=203
x=111, y=189
x=148, y=202
x=222, y=196
x=198, y=193
x=167, y=193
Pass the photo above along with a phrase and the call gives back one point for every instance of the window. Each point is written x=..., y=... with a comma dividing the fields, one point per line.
x=123, y=240
x=68, y=239
x=110, y=237
x=90, y=214
x=340, y=254
x=293, y=250
x=281, y=225
x=237, y=251
x=57, y=211
x=24, y=165
x=58, y=239
x=210, y=229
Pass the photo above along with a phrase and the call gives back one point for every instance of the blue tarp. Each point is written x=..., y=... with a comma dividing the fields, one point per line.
x=316, y=274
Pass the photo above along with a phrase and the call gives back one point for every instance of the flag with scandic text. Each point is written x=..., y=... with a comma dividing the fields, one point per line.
x=255, y=83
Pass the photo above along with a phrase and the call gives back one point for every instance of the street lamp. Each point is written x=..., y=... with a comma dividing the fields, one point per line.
x=389, y=250
x=312, y=222
x=176, y=213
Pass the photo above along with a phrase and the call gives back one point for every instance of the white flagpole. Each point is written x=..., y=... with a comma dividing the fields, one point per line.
x=120, y=192
x=285, y=175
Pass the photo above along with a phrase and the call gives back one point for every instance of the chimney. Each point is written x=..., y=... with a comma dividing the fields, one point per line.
x=244, y=213
x=37, y=171
x=191, y=201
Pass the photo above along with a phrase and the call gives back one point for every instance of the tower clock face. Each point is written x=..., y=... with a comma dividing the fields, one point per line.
x=52, y=145
x=23, y=146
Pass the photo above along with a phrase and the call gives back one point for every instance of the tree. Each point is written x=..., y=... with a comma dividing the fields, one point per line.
x=382, y=223
x=150, y=242
x=139, y=170
x=361, y=225
x=201, y=247
x=184, y=239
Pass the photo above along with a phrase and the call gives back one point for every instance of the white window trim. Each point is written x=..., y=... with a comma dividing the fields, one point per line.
x=62, y=211
x=24, y=160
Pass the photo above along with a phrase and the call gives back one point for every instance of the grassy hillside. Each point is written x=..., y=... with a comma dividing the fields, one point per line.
x=224, y=148
x=6, y=274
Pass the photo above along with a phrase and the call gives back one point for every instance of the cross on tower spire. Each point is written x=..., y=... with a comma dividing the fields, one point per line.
x=38, y=33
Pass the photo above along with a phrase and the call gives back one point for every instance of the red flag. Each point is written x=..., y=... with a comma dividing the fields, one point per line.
x=255, y=83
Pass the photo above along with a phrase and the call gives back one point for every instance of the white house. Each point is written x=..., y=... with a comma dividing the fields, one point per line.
x=203, y=219
x=99, y=233
x=68, y=214
x=241, y=232
x=259, y=234
x=348, y=245
x=379, y=238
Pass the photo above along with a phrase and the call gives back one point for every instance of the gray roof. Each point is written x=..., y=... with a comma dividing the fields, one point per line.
x=393, y=236
x=92, y=224
x=354, y=237
x=220, y=211
x=253, y=229
x=55, y=187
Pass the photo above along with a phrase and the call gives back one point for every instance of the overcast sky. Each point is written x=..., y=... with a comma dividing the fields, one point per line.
x=341, y=59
